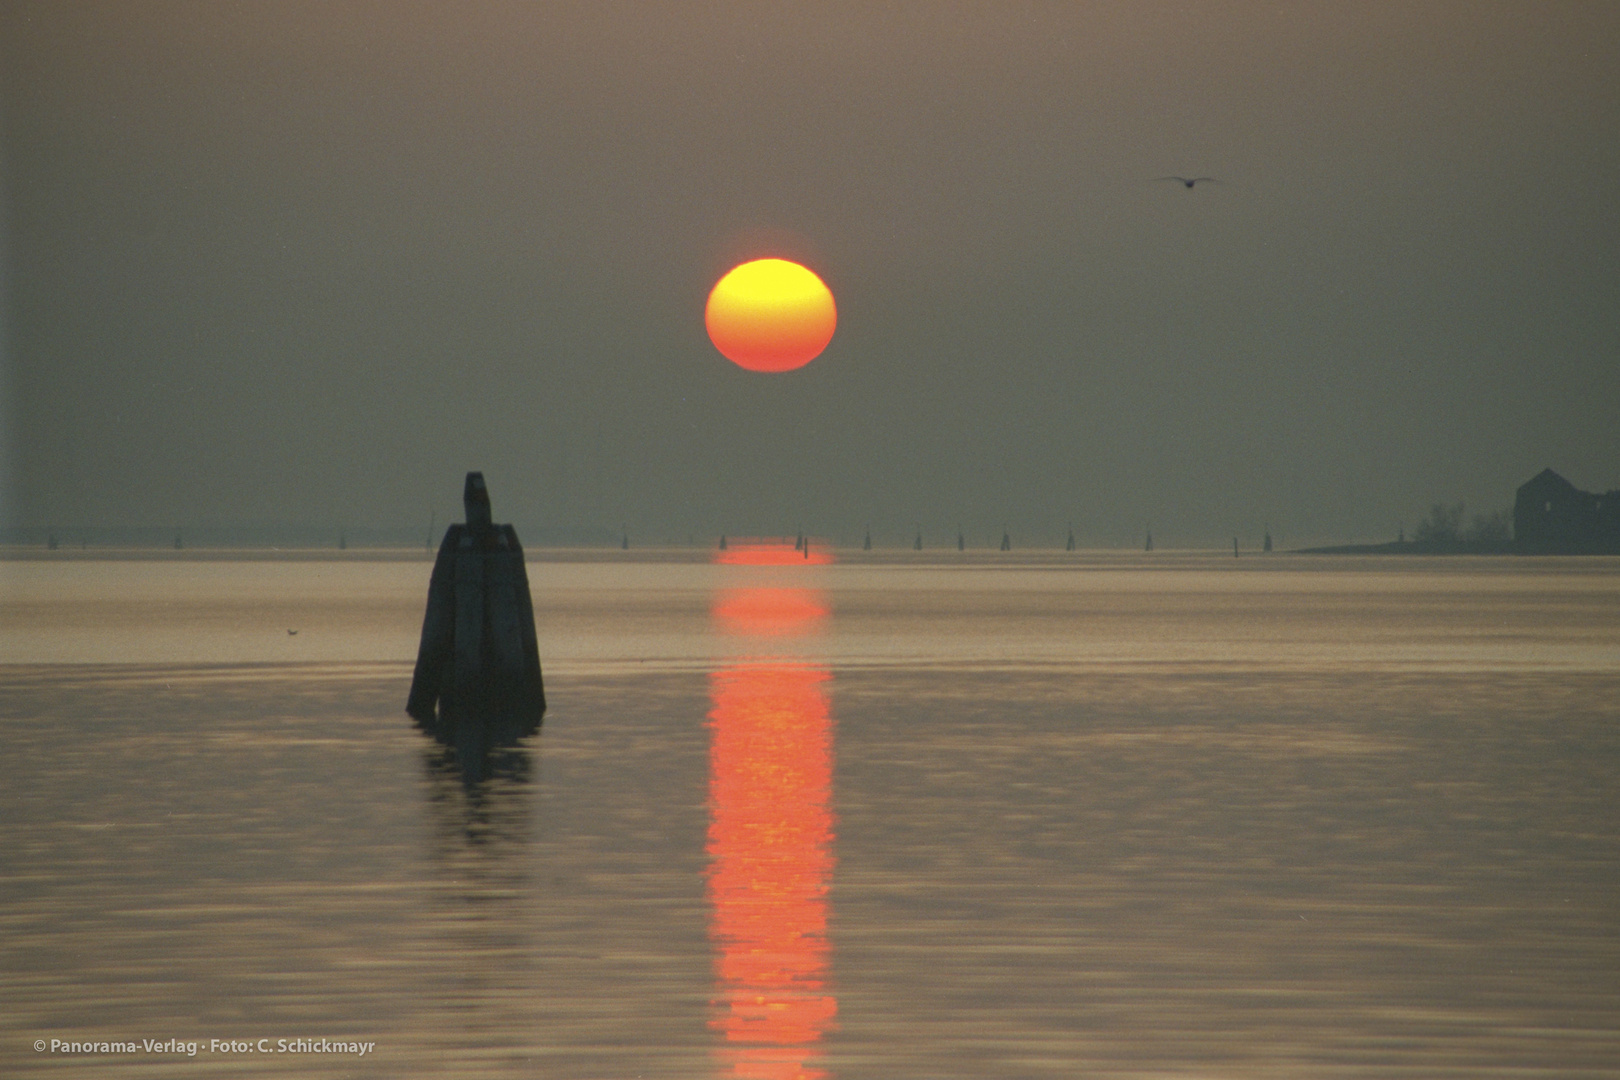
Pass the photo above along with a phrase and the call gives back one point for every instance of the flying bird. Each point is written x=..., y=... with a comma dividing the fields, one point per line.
x=1189, y=181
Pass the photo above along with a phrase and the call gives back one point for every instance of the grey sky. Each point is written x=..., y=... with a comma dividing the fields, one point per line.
x=309, y=263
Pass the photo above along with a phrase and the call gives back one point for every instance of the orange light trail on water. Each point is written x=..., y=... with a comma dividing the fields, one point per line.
x=770, y=836
x=770, y=842
x=746, y=552
x=768, y=612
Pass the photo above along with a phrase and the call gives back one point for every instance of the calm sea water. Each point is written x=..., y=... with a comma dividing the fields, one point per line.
x=1032, y=816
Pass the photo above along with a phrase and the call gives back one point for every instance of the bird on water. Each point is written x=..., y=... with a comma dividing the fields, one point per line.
x=1189, y=181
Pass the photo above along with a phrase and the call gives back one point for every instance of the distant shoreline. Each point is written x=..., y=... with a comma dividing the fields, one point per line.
x=980, y=557
x=1456, y=547
x=415, y=552
x=1414, y=547
x=137, y=553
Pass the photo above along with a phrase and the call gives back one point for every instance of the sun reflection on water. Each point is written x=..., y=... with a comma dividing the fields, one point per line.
x=770, y=836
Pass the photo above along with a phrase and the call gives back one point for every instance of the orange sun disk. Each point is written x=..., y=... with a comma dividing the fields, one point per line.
x=770, y=315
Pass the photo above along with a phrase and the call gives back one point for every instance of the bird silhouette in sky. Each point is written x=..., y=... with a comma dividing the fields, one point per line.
x=1189, y=181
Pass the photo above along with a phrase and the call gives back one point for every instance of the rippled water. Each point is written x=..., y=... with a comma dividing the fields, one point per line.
x=1104, y=816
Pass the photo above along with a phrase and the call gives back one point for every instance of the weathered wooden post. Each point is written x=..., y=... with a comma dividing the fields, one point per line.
x=477, y=684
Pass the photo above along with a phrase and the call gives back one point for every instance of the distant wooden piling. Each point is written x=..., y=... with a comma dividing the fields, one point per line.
x=477, y=685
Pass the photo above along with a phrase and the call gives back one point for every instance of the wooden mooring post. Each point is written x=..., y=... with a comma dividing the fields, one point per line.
x=477, y=685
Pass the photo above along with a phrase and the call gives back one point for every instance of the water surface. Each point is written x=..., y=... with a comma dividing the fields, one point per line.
x=1035, y=817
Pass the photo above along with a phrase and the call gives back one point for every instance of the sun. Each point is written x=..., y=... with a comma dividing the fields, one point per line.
x=770, y=315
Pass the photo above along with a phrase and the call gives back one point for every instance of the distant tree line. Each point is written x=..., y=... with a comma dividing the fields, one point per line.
x=1443, y=529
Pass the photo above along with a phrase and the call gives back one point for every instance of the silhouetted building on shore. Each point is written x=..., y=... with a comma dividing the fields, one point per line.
x=1551, y=516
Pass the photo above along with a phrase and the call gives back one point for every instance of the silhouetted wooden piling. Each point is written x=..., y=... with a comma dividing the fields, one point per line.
x=477, y=684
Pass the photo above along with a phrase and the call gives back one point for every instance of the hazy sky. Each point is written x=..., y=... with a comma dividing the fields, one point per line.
x=310, y=262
